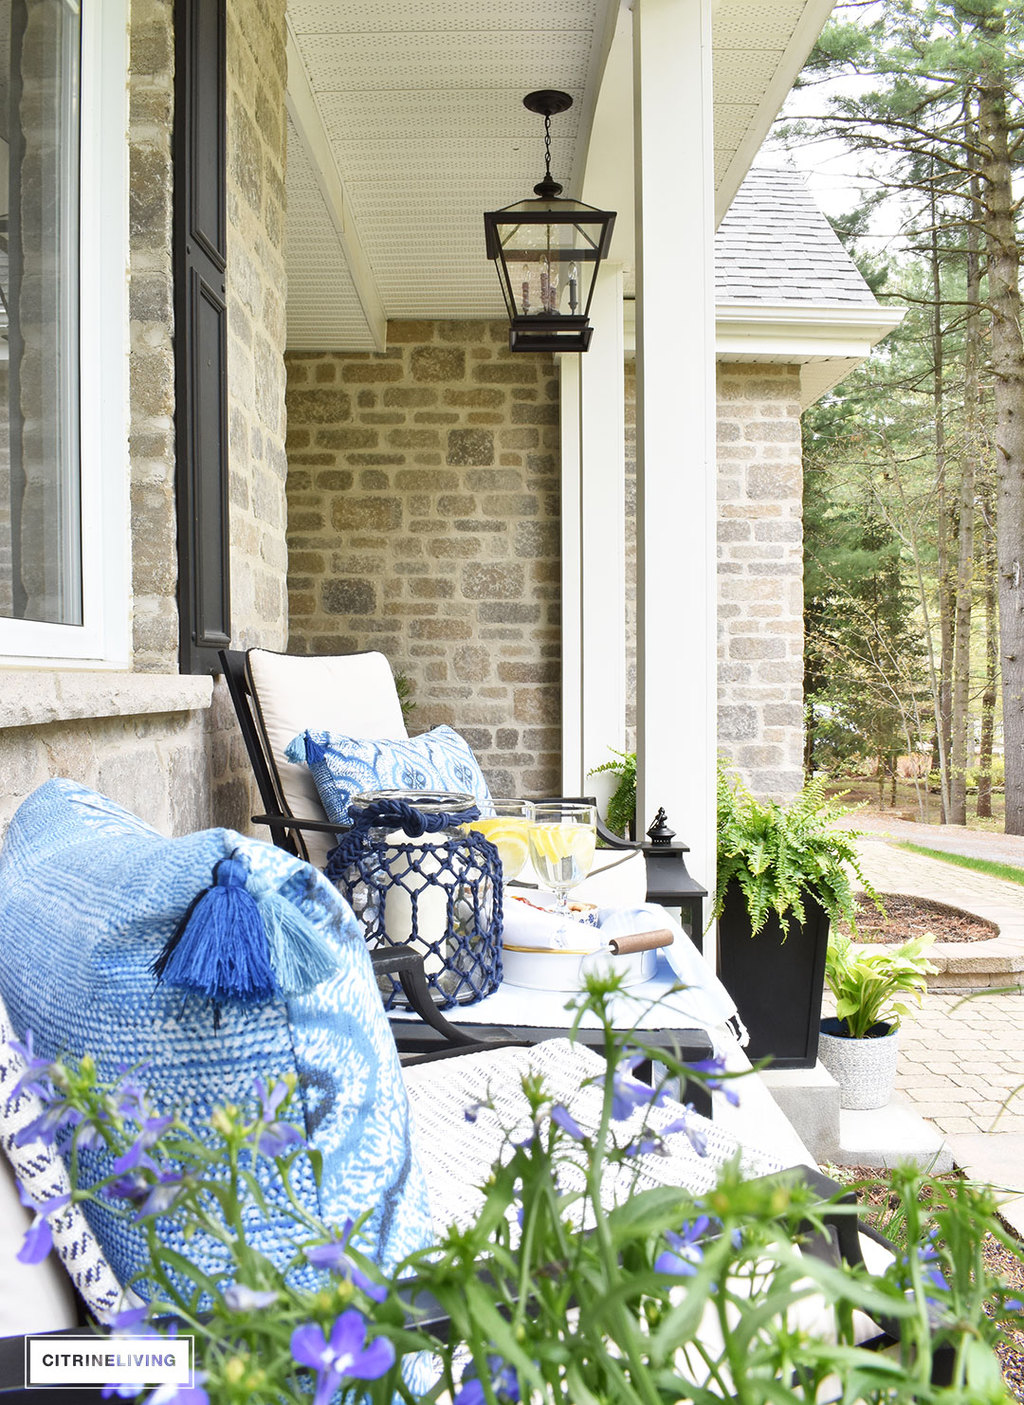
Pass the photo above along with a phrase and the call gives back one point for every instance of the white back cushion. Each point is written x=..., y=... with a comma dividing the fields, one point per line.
x=353, y=694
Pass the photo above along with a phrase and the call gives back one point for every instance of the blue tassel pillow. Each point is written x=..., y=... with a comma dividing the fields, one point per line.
x=92, y=899
x=344, y=767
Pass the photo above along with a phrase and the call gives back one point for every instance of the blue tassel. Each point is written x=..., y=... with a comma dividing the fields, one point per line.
x=219, y=948
x=315, y=753
x=299, y=956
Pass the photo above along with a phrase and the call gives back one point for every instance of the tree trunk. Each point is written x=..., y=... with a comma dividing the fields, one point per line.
x=943, y=709
x=961, y=678
x=988, y=696
x=1008, y=395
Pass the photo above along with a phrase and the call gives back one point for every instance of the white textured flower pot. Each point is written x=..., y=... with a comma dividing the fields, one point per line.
x=865, y=1069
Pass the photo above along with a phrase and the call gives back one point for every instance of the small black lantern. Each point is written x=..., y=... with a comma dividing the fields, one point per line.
x=547, y=252
x=668, y=881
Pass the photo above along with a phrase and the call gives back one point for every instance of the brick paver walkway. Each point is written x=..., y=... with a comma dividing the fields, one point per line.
x=961, y=1061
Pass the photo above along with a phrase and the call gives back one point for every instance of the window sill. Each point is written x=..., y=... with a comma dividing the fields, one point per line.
x=34, y=699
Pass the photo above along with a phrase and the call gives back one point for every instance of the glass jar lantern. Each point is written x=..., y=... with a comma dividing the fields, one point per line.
x=414, y=875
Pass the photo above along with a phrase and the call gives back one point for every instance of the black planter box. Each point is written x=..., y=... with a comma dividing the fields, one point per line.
x=777, y=984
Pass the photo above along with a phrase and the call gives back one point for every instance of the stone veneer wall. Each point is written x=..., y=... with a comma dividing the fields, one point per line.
x=154, y=742
x=423, y=500
x=423, y=521
x=760, y=573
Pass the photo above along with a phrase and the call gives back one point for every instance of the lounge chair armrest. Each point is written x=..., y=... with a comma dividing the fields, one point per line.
x=407, y=964
x=289, y=822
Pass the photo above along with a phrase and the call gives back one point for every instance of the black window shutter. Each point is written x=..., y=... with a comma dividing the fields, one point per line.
x=200, y=310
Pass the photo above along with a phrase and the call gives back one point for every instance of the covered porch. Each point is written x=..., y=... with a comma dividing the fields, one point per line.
x=463, y=508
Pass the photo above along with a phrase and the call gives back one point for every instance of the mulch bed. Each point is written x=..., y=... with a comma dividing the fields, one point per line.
x=908, y=917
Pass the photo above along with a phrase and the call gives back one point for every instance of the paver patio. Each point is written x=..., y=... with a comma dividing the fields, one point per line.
x=961, y=1062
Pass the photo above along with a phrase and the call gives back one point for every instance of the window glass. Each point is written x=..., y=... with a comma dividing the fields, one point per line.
x=40, y=492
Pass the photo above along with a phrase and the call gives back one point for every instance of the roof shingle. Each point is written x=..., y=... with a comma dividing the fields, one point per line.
x=776, y=246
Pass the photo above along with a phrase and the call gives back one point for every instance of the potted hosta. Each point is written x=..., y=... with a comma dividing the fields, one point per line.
x=859, y=1044
x=784, y=873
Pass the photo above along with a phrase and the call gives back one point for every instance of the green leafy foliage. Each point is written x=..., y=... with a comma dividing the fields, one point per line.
x=621, y=815
x=403, y=687
x=553, y=1296
x=868, y=984
x=780, y=853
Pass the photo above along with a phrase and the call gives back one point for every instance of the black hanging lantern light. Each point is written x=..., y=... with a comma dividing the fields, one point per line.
x=547, y=252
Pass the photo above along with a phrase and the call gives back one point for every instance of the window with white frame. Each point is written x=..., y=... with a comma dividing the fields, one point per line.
x=63, y=329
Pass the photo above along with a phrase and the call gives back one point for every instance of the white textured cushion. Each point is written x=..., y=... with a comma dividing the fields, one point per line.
x=39, y=1297
x=350, y=693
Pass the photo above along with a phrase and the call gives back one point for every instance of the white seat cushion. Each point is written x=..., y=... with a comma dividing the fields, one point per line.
x=350, y=693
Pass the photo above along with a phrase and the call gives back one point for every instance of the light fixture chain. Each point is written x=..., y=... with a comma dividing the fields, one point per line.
x=547, y=145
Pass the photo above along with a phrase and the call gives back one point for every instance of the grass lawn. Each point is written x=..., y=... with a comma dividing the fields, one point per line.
x=989, y=867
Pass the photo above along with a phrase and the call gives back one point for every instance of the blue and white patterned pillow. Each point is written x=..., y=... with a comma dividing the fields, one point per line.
x=89, y=894
x=344, y=767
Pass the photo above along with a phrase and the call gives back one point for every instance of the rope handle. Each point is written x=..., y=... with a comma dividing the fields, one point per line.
x=395, y=814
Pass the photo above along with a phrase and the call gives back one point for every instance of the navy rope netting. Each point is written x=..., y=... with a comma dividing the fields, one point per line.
x=442, y=896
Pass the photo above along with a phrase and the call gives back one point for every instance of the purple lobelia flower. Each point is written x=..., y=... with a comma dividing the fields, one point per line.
x=714, y=1080
x=628, y=1093
x=275, y=1137
x=45, y=1127
x=928, y=1260
x=334, y=1257
x=156, y=1198
x=504, y=1383
x=180, y=1394
x=342, y=1355
x=239, y=1298
x=129, y=1319
x=38, y=1239
x=137, y=1154
x=563, y=1118
x=36, y=1078
x=653, y=1143
x=684, y=1254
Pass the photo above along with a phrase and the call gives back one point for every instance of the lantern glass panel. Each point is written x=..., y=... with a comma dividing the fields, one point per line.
x=549, y=253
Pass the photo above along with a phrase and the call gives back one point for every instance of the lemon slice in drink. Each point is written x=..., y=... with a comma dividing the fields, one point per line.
x=509, y=838
x=550, y=841
x=581, y=842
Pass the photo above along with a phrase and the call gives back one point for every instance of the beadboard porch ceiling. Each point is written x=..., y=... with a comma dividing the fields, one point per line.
x=405, y=123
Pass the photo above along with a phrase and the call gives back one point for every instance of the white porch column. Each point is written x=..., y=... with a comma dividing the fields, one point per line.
x=676, y=628
x=593, y=542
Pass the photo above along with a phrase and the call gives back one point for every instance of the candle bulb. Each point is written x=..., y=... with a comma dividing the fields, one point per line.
x=573, y=281
x=544, y=289
x=526, y=288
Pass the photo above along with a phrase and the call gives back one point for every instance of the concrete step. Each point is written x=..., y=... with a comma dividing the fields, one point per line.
x=880, y=1138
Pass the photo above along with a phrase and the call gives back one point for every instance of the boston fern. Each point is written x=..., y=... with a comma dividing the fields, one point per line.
x=621, y=814
x=780, y=853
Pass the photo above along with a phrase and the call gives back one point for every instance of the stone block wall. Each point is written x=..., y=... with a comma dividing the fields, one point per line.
x=151, y=310
x=424, y=518
x=256, y=285
x=760, y=573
